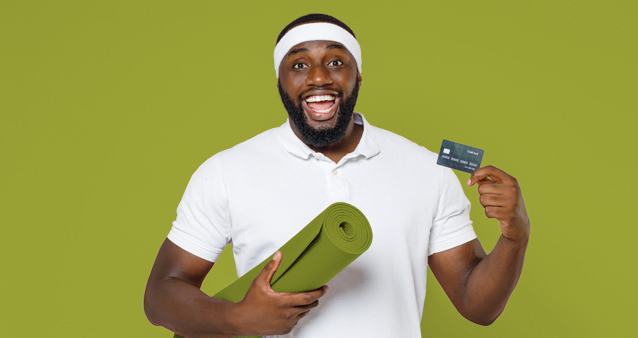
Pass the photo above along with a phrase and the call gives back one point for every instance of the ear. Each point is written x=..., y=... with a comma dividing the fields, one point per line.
x=359, y=78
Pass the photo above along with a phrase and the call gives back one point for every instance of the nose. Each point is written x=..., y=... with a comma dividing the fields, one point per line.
x=318, y=76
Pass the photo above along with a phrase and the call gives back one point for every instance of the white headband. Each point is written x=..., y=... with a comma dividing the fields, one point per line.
x=312, y=32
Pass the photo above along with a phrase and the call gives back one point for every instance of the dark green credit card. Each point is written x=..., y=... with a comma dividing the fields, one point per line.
x=459, y=156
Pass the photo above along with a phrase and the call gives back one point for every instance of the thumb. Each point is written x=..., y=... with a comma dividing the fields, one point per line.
x=270, y=268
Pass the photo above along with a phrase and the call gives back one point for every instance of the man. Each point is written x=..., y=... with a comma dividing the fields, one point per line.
x=261, y=192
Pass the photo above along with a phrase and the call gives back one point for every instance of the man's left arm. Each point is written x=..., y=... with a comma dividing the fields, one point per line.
x=479, y=285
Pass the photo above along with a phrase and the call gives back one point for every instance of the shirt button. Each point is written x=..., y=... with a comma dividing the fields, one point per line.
x=317, y=156
x=334, y=172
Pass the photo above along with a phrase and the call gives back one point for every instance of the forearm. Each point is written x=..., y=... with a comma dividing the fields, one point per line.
x=491, y=282
x=185, y=309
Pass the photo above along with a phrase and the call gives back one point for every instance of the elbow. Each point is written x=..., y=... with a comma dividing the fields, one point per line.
x=484, y=322
x=483, y=319
x=149, y=313
x=149, y=309
x=154, y=311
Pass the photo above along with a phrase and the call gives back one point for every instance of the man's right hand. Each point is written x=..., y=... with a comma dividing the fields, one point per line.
x=265, y=311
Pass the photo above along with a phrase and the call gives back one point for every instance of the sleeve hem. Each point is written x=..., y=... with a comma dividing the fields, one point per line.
x=191, y=247
x=452, y=242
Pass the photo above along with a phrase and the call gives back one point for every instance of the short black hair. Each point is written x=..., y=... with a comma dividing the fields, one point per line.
x=314, y=17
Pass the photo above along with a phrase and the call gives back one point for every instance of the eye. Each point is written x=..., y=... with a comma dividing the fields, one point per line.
x=299, y=65
x=335, y=63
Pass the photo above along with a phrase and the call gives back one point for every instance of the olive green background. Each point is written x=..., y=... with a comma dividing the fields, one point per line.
x=107, y=108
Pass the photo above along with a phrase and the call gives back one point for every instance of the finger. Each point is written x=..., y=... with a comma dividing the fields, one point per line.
x=305, y=298
x=494, y=188
x=492, y=200
x=495, y=174
x=307, y=307
x=304, y=309
x=320, y=292
x=493, y=212
x=301, y=315
x=509, y=190
x=485, y=181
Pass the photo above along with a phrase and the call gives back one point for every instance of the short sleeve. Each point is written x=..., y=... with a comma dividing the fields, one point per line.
x=451, y=225
x=202, y=226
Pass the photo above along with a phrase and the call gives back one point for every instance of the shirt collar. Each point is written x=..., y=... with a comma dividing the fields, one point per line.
x=367, y=146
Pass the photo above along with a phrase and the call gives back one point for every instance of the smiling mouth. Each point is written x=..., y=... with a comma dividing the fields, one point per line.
x=321, y=107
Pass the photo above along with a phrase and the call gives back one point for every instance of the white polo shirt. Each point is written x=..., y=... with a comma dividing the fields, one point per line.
x=263, y=191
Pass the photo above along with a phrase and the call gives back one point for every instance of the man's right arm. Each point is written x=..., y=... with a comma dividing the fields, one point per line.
x=173, y=299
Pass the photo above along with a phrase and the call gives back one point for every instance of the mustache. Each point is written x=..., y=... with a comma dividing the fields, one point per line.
x=339, y=91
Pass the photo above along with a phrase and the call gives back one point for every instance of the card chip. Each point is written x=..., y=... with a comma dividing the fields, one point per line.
x=459, y=156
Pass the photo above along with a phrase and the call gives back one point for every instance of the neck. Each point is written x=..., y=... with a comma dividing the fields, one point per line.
x=337, y=151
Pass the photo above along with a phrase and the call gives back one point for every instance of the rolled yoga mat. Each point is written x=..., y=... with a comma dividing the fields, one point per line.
x=317, y=253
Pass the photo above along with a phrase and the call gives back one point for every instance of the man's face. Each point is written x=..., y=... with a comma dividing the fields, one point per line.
x=314, y=78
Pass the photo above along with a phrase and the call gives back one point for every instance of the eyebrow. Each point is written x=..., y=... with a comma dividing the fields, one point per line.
x=299, y=50
x=334, y=45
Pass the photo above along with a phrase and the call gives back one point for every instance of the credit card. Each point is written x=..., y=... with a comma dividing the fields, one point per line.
x=459, y=156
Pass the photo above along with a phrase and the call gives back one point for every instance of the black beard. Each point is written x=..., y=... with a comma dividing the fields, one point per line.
x=323, y=137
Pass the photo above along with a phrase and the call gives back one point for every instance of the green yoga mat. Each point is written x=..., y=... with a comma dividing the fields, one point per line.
x=317, y=253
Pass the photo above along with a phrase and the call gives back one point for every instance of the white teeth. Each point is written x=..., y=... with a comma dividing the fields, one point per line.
x=322, y=111
x=319, y=98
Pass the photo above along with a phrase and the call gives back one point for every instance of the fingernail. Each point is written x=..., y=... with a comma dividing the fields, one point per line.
x=274, y=258
x=469, y=181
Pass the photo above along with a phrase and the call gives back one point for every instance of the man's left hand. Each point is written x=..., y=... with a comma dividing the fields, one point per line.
x=501, y=197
